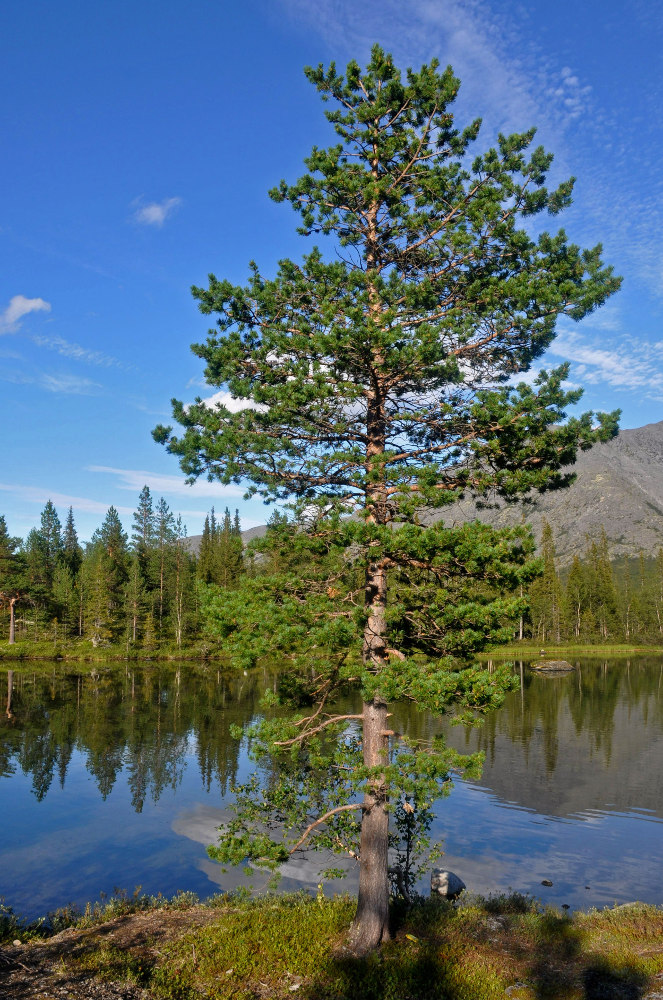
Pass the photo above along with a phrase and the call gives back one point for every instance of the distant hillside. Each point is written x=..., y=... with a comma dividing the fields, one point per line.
x=192, y=542
x=619, y=486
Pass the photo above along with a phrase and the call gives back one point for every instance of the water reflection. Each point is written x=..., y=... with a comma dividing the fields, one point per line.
x=119, y=777
x=566, y=744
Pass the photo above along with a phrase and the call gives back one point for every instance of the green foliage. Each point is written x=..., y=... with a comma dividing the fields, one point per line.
x=378, y=384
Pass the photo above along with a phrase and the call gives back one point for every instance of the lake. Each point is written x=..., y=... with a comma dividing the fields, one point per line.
x=118, y=778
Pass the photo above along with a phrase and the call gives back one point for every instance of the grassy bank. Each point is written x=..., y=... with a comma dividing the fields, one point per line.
x=280, y=946
x=531, y=650
x=84, y=652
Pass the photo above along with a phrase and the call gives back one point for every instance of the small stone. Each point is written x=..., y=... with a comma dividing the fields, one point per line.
x=546, y=881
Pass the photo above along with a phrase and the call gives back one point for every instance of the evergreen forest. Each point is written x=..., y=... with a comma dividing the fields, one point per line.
x=148, y=592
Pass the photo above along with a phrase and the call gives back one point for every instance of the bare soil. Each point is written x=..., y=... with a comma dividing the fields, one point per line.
x=56, y=969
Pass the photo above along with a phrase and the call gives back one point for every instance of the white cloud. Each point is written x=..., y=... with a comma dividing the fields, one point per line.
x=19, y=306
x=135, y=479
x=234, y=405
x=40, y=494
x=71, y=385
x=154, y=213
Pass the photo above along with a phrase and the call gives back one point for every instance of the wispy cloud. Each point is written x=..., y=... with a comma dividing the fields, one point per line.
x=510, y=93
x=71, y=385
x=20, y=306
x=40, y=494
x=626, y=364
x=154, y=213
x=135, y=479
x=79, y=353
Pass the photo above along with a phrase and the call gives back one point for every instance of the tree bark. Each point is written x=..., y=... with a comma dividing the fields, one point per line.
x=12, y=619
x=371, y=923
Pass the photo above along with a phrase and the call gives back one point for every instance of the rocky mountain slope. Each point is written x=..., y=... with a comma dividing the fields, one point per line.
x=618, y=486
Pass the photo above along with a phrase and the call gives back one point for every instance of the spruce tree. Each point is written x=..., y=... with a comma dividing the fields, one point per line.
x=107, y=571
x=546, y=593
x=72, y=553
x=142, y=536
x=379, y=382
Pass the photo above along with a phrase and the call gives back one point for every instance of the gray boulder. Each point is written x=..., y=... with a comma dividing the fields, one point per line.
x=446, y=884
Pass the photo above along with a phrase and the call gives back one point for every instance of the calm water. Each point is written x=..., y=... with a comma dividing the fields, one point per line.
x=120, y=778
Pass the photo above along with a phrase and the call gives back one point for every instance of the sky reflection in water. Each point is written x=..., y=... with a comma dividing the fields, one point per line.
x=119, y=779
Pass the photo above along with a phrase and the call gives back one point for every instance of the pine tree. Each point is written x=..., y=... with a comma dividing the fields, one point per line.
x=143, y=534
x=204, y=567
x=50, y=532
x=183, y=583
x=379, y=381
x=575, y=598
x=135, y=599
x=601, y=591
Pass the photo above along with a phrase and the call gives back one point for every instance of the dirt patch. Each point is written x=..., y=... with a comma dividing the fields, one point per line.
x=64, y=967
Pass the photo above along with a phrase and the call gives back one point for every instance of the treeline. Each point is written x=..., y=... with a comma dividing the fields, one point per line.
x=140, y=590
x=146, y=591
x=596, y=599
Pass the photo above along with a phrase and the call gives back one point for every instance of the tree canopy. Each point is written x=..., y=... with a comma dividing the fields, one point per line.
x=380, y=381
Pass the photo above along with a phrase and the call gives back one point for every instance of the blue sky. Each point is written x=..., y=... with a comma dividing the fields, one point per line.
x=139, y=142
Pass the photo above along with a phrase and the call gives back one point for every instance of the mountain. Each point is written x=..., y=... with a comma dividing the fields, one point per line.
x=618, y=486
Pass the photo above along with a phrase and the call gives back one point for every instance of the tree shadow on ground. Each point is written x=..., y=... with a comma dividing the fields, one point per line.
x=510, y=955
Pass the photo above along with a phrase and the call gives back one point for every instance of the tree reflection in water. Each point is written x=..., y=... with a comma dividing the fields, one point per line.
x=152, y=741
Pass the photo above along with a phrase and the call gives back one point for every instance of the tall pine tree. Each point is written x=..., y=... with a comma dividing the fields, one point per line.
x=378, y=380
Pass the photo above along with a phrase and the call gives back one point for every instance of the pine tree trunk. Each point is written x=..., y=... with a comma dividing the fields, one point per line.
x=371, y=924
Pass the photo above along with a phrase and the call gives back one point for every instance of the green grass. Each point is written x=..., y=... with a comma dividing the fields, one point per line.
x=282, y=946
x=295, y=945
x=529, y=650
x=82, y=651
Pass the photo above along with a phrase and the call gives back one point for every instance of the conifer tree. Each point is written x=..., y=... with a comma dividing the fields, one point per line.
x=72, y=553
x=575, y=597
x=12, y=582
x=378, y=381
x=161, y=557
x=142, y=537
x=107, y=570
x=546, y=593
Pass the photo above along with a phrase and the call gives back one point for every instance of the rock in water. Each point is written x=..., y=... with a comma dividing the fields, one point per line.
x=446, y=884
x=552, y=666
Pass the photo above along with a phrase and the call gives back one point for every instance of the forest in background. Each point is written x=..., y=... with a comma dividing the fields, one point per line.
x=139, y=591
x=144, y=592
